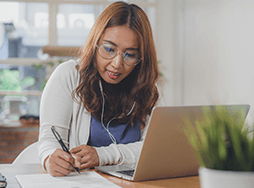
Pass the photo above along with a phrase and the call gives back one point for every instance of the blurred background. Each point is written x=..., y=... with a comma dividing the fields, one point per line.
x=205, y=53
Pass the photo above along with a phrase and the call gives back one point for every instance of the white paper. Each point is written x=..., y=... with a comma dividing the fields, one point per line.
x=74, y=180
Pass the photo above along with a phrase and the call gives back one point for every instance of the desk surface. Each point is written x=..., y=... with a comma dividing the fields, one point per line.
x=9, y=171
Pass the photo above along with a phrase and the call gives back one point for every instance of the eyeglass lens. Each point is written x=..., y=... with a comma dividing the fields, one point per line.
x=109, y=51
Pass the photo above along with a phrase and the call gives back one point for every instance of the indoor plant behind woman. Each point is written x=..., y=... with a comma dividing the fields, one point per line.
x=224, y=148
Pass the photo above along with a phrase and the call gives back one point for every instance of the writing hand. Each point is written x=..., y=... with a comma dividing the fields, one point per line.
x=89, y=156
x=60, y=163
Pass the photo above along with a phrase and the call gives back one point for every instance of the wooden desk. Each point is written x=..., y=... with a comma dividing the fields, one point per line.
x=9, y=171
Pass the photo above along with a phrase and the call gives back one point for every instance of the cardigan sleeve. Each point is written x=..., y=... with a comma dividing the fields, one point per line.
x=56, y=108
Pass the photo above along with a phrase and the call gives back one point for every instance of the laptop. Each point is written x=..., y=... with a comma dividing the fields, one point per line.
x=166, y=152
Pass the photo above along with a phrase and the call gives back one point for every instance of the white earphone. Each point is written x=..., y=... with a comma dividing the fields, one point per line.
x=102, y=113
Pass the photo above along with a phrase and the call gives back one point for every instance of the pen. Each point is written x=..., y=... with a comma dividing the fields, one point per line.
x=59, y=139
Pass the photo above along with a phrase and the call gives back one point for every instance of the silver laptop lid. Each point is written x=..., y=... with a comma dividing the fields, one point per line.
x=166, y=151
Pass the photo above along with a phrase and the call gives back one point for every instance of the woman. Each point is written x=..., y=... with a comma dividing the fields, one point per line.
x=100, y=104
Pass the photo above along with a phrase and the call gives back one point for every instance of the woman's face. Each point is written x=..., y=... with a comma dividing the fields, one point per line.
x=115, y=70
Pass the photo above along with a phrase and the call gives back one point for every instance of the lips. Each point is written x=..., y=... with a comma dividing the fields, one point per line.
x=113, y=75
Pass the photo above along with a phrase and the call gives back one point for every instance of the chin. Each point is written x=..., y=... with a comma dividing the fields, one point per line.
x=109, y=80
x=113, y=81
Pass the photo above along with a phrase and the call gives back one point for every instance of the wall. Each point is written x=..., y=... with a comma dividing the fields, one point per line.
x=218, y=52
x=15, y=139
x=206, y=51
x=167, y=46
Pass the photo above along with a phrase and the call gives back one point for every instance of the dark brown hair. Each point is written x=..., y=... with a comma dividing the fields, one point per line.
x=139, y=86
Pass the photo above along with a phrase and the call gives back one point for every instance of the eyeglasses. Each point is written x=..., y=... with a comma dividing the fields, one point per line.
x=109, y=51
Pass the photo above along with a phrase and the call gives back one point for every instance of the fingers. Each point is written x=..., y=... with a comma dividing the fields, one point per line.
x=90, y=160
x=81, y=150
x=88, y=156
x=56, y=169
x=76, y=149
x=77, y=161
x=59, y=163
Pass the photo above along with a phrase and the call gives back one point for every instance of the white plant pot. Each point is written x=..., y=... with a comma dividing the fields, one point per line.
x=210, y=178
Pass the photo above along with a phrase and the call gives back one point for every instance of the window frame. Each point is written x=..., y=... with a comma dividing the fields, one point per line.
x=53, y=11
x=52, y=32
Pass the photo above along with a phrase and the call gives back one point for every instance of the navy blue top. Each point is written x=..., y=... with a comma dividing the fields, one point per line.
x=123, y=133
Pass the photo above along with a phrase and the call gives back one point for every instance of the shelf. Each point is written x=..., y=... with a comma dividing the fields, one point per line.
x=27, y=93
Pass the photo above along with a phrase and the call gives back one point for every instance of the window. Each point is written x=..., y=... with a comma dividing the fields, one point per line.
x=74, y=23
x=25, y=27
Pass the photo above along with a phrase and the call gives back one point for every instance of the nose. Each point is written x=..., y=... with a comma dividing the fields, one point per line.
x=117, y=62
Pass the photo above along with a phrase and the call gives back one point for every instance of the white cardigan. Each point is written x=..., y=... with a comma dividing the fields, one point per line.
x=72, y=120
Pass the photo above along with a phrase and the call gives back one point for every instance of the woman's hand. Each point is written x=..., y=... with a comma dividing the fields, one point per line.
x=88, y=155
x=60, y=163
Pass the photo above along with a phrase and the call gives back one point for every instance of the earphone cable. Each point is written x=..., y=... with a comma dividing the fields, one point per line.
x=102, y=114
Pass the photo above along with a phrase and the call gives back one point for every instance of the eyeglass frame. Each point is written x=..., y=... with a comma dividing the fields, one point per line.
x=117, y=52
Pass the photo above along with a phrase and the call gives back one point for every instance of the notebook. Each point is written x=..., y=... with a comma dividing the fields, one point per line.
x=166, y=152
x=88, y=179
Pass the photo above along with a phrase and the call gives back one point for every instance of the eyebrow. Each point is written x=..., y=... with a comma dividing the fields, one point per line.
x=117, y=46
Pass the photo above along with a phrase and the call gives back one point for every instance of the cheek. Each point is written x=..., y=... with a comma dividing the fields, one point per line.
x=129, y=69
x=99, y=63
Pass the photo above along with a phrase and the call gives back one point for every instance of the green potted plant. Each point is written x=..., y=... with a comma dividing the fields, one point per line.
x=224, y=148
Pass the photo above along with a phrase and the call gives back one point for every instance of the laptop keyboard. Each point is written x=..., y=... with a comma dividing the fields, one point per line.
x=126, y=172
